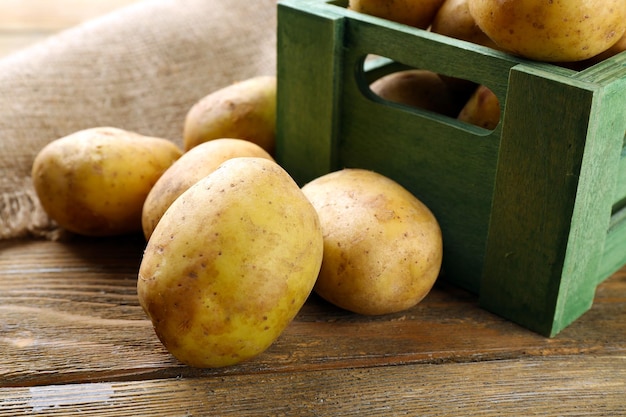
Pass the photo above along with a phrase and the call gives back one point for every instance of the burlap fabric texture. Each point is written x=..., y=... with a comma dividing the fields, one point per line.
x=139, y=68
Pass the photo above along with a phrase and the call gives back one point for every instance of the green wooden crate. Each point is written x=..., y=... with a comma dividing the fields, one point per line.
x=533, y=213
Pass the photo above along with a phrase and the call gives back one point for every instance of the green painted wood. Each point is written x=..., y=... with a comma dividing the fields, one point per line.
x=620, y=189
x=307, y=113
x=611, y=73
x=534, y=253
x=552, y=201
x=614, y=256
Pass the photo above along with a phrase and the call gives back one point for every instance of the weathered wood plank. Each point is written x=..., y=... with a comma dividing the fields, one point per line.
x=69, y=313
x=555, y=386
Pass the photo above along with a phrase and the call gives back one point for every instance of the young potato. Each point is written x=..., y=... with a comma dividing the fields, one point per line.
x=231, y=263
x=416, y=13
x=194, y=165
x=422, y=89
x=617, y=48
x=552, y=31
x=382, y=247
x=482, y=109
x=454, y=19
x=94, y=182
x=243, y=110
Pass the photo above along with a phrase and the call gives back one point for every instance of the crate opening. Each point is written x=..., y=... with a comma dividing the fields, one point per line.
x=422, y=90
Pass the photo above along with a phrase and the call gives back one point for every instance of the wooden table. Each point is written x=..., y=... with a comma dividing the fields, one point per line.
x=74, y=340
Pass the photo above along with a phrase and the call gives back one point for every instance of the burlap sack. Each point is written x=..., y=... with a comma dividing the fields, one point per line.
x=139, y=68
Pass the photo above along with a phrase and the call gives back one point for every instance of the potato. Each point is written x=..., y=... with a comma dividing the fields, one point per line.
x=453, y=19
x=482, y=109
x=416, y=13
x=419, y=88
x=94, y=181
x=382, y=247
x=231, y=263
x=194, y=165
x=243, y=110
x=552, y=31
x=617, y=48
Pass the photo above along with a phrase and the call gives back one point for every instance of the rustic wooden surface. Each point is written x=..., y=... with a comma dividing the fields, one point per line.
x=74, y=341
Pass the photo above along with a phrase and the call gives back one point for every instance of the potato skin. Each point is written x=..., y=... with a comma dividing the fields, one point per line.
x=230, y=264
x=382, y=246
x=419, y=88
x=94, y=182
x=455, y=20
x=482, y=109
x=191, y=167
x=416, y=13
x=243, y=110
x=551, y=31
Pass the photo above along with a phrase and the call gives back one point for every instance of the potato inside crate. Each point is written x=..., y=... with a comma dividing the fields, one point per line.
x=533, y=213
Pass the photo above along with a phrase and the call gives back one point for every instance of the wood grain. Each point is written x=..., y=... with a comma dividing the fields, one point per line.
x=555, y=386
x=69, y=314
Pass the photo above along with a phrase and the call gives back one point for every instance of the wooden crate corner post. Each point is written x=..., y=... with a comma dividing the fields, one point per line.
x=558, y=160
x=309, y=57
